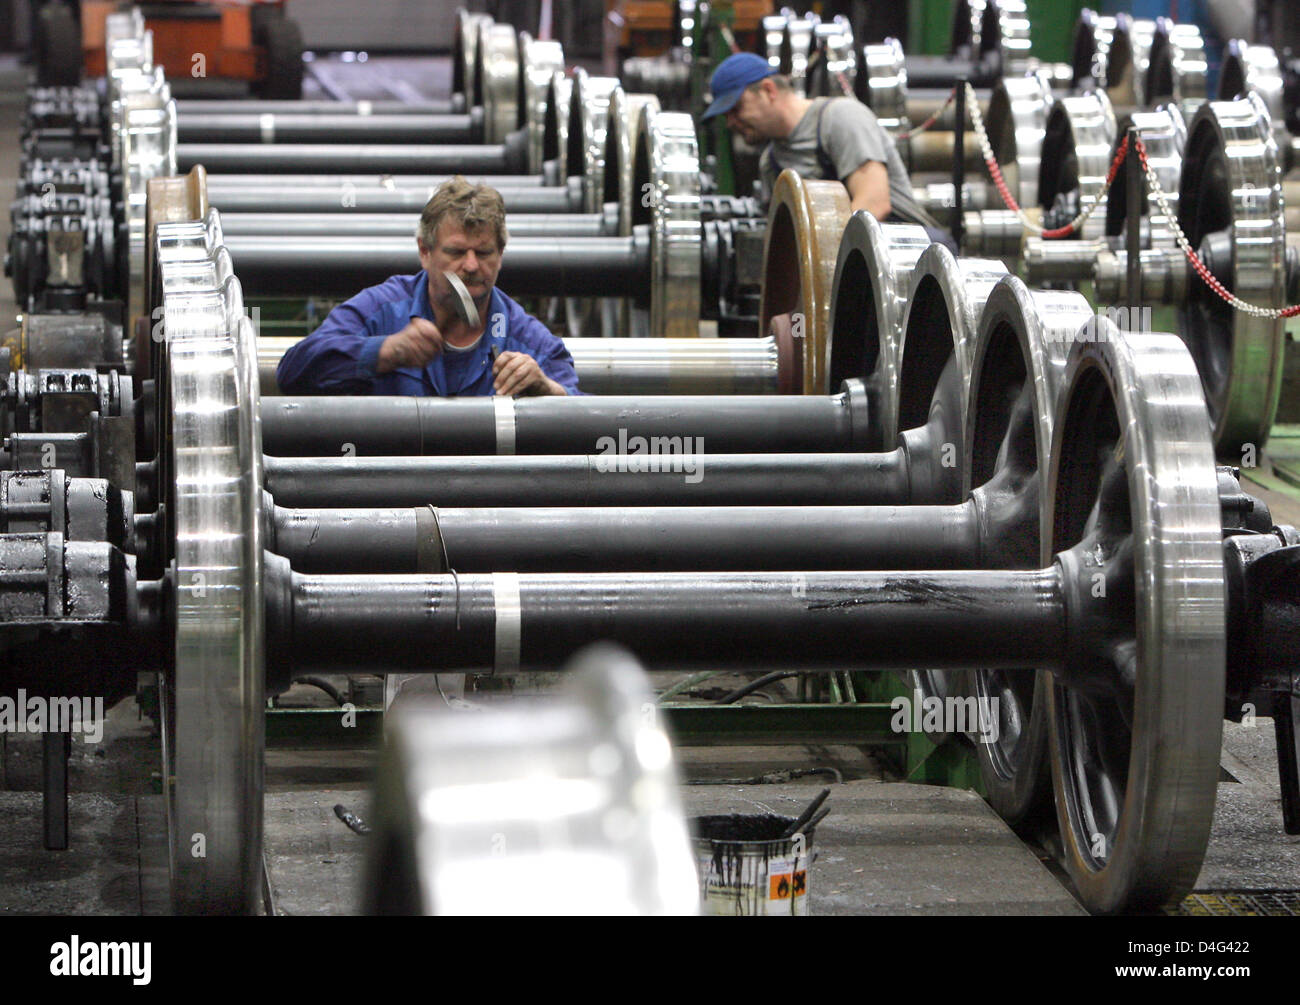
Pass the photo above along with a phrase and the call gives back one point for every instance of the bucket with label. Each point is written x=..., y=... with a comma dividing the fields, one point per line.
x=747, y=868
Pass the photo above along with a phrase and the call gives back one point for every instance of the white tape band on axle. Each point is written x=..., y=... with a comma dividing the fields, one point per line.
x=504, y=408
x=509, y=618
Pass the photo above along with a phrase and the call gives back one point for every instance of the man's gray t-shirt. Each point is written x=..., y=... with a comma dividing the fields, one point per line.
x=851, y=135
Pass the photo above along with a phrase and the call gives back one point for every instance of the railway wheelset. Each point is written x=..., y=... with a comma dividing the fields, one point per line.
x=1002, y=489
x=587, y=157
x=615, y=172
x=1084, y=558
x=1220, y=175
x=552, y=143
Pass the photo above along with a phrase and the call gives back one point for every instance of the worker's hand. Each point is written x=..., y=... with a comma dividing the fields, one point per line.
x=516, y=373
x=414, y=345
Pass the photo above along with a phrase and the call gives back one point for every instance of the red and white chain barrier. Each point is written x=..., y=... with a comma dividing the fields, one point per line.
x=995, y=172
x=1193, y=259
x=952, y=96
x=1156, y=192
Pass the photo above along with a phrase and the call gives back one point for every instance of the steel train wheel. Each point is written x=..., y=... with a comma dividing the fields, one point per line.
x=426, y=830
x=804, y=226
x=881, y=85
x=1129, y=60
x=555, y=147
x=56, y=45
x=587, y=132
x=496, y=80
x=210, y=488
x=1255, y=68
x=937, y=333
x=147, y=128
x=1006, y=29
x=587, y=138
x=1075, y=154
x=873, y=268
x=936, y=342
x=797, y=45
x=555, y=127
x=1090, y=49
x=1232, y=188
x=1017, y=121
x=620, y=145
x=539, y=61
x=1164, y=134
x=666, y=195
x=773, y=32
x=1178, y=66
x=464, y=53
x=967, y=26
x=983, y=27
x=833, y=71
x=1017, y=373
x=1135, y=736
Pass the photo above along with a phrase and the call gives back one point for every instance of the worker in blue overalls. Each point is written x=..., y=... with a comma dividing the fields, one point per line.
x=405, y=335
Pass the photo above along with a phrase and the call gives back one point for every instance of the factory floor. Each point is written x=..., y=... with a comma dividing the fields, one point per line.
x=887, y=848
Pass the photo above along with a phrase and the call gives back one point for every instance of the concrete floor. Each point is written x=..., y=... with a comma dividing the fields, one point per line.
x=888, y=848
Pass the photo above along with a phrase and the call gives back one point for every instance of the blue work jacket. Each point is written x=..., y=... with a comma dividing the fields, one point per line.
x=340, y=356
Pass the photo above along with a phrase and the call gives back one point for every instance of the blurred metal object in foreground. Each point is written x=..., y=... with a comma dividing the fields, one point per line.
x=569, y=806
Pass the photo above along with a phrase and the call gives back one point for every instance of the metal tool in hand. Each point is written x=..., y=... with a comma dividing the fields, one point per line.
x=465, y=309
x=463, y=303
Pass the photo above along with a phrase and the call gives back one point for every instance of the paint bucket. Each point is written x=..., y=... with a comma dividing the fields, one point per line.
x=746, y=868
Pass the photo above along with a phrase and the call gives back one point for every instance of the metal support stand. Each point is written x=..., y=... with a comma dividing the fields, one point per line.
x=709, y=41
x=1286, y=722
x=1133, y=228
x=55, y=750
x=959, y=162
x=918, y=757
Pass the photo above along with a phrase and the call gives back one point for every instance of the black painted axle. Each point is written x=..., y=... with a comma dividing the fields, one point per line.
x=398, y=425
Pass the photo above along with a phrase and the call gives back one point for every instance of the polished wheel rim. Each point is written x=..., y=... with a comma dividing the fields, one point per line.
x=1136, y=730
x=1232, y=191
x=1017, y=373
x=804, y=228
x=873, y=267
x=209, y=476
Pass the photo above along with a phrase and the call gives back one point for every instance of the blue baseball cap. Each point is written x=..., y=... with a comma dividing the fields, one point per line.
x=730, y=79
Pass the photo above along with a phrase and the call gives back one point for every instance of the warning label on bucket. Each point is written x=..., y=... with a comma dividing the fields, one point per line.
x=777, y=886
x=785, y=882
x=785, y=885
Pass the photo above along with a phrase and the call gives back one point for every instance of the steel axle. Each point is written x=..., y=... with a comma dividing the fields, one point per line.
x=380, y=425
